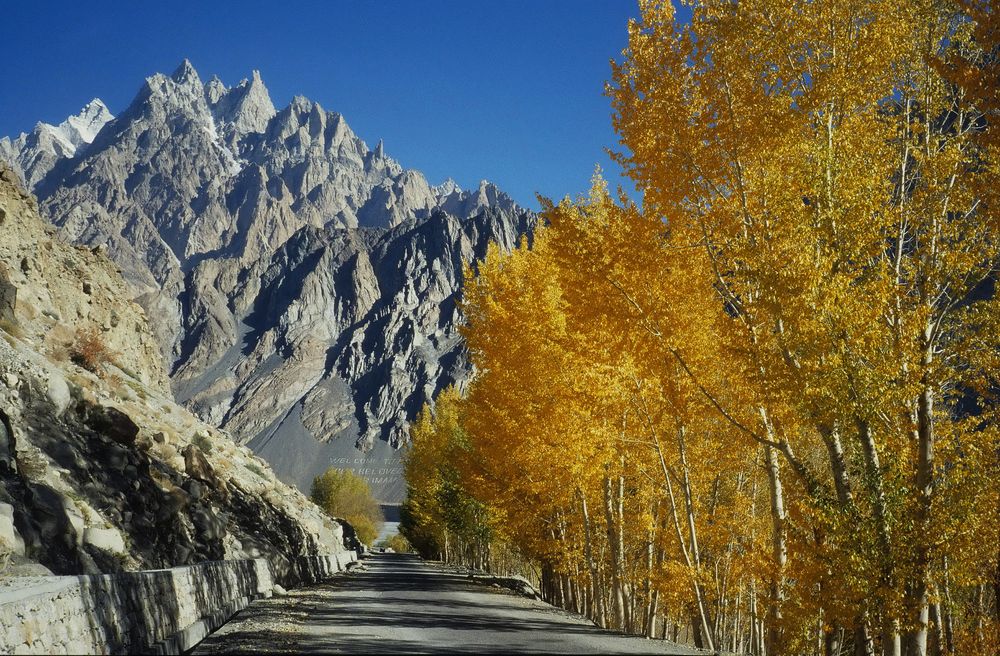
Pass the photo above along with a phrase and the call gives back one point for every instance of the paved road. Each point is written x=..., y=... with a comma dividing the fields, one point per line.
x=402, y=605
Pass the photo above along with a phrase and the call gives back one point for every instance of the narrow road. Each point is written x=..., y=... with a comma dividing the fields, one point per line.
x=402, y=605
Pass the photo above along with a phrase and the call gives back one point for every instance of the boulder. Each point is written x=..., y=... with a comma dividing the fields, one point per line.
x=76, y=519
x=195, y=488
x=198, y=467
x=106, y=539
x=172, y=503
x=8, y=461
x=58, y=393
x=9, y=537
x=116, y=458
x=113, y=423
x=8, y=296
x=210, y=526
x=27, y=569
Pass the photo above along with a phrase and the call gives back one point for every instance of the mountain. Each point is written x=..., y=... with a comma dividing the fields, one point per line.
x=33, y=155
x=304, y=285
x=100, y=470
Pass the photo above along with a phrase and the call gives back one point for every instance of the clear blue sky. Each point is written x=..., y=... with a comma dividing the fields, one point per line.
x=510, y=90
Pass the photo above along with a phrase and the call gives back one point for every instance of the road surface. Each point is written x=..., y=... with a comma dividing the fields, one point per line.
x=401, y=605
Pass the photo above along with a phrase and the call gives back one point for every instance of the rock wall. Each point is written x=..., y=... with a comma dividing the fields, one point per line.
x=160, y=611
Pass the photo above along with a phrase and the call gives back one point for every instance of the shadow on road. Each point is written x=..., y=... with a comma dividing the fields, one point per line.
x=402, y=605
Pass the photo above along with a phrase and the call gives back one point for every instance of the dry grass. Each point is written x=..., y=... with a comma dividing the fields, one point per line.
x=12, y=329
x=58, y=341
x=203, y=442
x=137, y=388
x=27, y=310
x=89, y=350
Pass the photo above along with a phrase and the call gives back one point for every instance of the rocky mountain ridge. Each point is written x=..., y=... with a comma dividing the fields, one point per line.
x=34, y=155
x=304, y=285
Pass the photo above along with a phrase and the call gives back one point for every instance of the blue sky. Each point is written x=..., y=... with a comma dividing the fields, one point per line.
x=510, y=90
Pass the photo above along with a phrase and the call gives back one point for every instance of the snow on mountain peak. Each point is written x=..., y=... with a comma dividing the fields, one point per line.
x=446, y=188
x=83, y=127
x=79, y=129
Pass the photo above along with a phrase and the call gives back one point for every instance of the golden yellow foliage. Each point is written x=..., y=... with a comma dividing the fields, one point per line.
x=760, y=408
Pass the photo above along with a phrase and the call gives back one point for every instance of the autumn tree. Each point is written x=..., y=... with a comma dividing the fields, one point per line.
x=757, y=411
x=342, y=493
x=439, y=516
x=843, y=193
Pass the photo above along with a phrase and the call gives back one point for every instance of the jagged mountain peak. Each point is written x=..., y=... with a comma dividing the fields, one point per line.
x=33, y=155
x=94, y=110
x=185, y=73
x=180, y=94
x=215, y=89
x=245, y=108
x=302, y=105
x=80, y=128
x=492, y=195
x=304, y=285
x=446, y=188
x=83, y=127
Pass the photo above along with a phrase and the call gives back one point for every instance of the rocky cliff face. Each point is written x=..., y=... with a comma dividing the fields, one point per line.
x=99, y=468
x=304, y=286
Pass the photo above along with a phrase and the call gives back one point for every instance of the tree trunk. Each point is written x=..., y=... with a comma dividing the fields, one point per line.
x=935, y=640
x=699, y=638
x=617, y=594
x=863, y=640
x=699, y=595
x=833, y=641
x=779, y=552
x=949, y=635
x=591, y=564
x=915, y=600
x=677, y=526
x=648, y=594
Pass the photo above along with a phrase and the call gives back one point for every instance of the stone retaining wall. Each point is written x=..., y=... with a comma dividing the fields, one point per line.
x=160, y=611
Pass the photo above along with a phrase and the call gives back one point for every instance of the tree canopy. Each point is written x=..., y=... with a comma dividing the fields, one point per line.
x=344, y=494
x=756, y=411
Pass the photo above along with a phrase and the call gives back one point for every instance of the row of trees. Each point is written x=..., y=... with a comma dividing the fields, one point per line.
x=757, y=412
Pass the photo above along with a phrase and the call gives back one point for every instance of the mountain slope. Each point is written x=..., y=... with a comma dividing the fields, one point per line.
x=99, y=469
x=304, y=285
